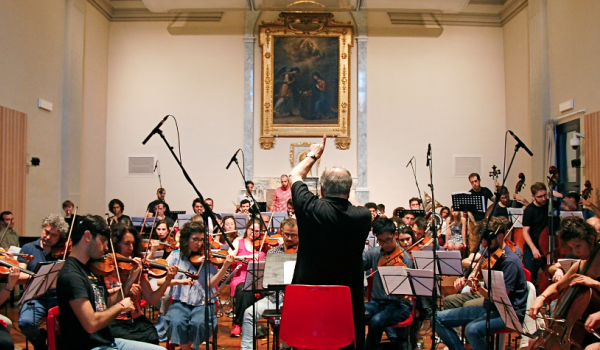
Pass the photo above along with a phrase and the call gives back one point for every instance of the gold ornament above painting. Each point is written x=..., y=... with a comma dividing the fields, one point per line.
x=305, y=78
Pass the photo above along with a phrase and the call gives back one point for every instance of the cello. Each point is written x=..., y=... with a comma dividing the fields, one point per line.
x=565, y=330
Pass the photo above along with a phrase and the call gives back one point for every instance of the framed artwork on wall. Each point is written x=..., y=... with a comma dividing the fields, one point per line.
x=305, y=78
x=298, y=152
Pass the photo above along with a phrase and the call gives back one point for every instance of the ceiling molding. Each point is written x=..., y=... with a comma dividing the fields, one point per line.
x=511, y=9
x=124, y=14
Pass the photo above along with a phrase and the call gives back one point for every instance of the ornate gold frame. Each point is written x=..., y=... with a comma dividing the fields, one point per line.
x=314, y=25
x=293, y=156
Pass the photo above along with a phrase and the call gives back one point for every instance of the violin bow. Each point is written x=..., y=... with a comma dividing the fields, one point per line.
x=513, y=226
x=173, y=228
x=112, y=248
x=149, y=242
x=69, y=236
x=266, y=233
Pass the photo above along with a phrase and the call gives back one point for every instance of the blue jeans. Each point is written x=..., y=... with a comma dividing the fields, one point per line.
x=30, y=316
x=249, y=320
x=381, y=314
x=532, y=264
x=185, y=323
x=474, y=318
x=123, y=344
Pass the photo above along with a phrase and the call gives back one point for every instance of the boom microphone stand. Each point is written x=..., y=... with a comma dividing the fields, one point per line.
x=208, y=211
x=417, y=183
x=434, y=295
x=253, y=211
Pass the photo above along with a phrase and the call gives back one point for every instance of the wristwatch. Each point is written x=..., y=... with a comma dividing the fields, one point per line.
x=312, y=155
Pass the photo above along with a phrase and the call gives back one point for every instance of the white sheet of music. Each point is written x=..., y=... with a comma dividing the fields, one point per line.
x=423, y=259
x=567, y=263
x=500, y=299
x=422, y=281
x=288, y=271
x=516, y=216
x=450, y=262
x=395, y=280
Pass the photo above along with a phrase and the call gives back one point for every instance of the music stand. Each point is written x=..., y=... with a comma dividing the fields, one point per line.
x=279, y=271
x=466, y=201
x=449, y=263
x=256, y=271
x=417, y=213
x=241, y=220
x=516, y=216
x=184, y=219
x=278, y=217
x=43, y=280
x=398, y=280
x=500, y=299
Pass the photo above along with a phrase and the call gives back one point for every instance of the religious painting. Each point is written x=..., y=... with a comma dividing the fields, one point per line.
x=305, y=78
x=298, y=152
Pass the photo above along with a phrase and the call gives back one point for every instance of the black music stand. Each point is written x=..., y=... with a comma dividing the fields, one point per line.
x=43, y=280
x=417, y=213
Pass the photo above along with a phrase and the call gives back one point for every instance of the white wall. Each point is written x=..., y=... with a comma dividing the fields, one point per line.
x=447, y=91
x=199, y=80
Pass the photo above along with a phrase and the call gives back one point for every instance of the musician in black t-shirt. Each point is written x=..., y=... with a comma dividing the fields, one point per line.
x=475, y=181
x=535, y=220
x=85, y=309
x=504, y=203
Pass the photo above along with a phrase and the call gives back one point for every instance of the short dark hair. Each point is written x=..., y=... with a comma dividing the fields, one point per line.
x=244, y=201
x=112, y=203
x=160, y=190
x=4, y=213
x=371, y=205
x=573, y=228
x=197, y=200
x=249, y=182
x=383, y=225
x=290, y=202
x=184, y=236
x=380, y=207
x=159, y=202
x=503, y=191
x=209, y=199
x=573, y=195
x=67, y=203
x=495, y=227
x=406, y=212
x=536, y=187
x=119, y=231
x=93, y=223
x=414, y=199
x=421, y=223
x=397, y=220
x=474, y=175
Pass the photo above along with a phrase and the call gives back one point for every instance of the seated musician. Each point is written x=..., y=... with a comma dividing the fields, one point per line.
x=458, y=231
x=54, y=229
x=244, y=247
x=419, y=228
x=6, y=341
x=230, y=228
x=244, y=207
x=582, y=238
x=384, y=310
x=289, y=230
x=163, y=233
x=185, y=318
x=408, y=218
x=160, y=213
x=136, y=326
x=85, y=308
x=474, y=318
x=290, y=209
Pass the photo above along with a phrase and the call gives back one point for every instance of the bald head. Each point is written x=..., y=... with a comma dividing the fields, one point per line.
x=595, y=222
x=336, y=182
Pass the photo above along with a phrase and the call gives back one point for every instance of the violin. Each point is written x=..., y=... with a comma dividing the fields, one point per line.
x=157, y=268
x=6, y=263
x=106, y=265
x=291, y=250
x=61, y=248
x=169, y=245
x=484, y=264
x=21, y=255
x=425, y=241
x=520, y=183
x=395, y=258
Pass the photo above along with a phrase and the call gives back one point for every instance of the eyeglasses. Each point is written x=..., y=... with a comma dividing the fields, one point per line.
x=385, y=241
x=541, y=196
x=292, y=236
x=196, y=240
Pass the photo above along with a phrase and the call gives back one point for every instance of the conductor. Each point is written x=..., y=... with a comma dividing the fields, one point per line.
x=330, y=219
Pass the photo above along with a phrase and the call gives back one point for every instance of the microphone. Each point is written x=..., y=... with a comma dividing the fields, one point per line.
x=155, y=130
x=155, y=166
x=410, y=161
x=233, y=158
x=428, y=154
x=520, y=143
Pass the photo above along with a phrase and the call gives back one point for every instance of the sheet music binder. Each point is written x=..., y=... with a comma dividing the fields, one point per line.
x=466, y=201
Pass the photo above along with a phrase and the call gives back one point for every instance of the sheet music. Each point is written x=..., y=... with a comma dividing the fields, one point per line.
x=255, y=269
x=44, y=280
x=395, y=280
x=423, y=259
x=14, y=250
x=516, y=216
x=157, y=255
x=450, y=263
x=566, y=214
x=500, y=299
x=288, y=271
x=567, y=263
x=422, y=281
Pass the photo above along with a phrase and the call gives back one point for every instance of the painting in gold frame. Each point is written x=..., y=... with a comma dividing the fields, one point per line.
x=305, y=78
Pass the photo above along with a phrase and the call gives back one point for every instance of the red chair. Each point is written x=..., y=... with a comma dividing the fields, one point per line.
x=317, y=317
x=53, y=328
x=527, y=274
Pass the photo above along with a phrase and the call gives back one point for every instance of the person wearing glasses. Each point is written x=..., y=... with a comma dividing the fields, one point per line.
x=535, y=220
x=185, y=318
x=289, y=232
x=244, y=247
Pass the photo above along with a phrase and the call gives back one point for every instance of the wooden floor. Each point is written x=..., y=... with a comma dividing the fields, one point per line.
x=224, y=340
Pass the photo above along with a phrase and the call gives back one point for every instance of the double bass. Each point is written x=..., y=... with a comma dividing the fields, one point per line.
x=565, y=329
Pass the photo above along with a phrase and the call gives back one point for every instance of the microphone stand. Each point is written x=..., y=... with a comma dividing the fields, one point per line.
x=209, y=213
x=434, y=295
x=418, y=189
x=253, y=212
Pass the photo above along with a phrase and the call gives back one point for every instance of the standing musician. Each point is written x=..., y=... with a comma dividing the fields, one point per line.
x=474, y=318
x=281, y=195
x=535, y=220
x=476, y=188
x=160, y=197
x=328, y=219
x=136, y=326
x=384, y=310
x=54, y=230
x=185, y=318
x=85, y=308
x=289, y=229
x=244, y=247
x=581, y=237
x=414, y=203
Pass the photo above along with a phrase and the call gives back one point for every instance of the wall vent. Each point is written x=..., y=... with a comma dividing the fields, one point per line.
x=462, y=166
x=140, y=165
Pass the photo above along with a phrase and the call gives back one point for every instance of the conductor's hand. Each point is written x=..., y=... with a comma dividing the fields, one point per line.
x=592, y=322
x=318, y=149
x=127, y=305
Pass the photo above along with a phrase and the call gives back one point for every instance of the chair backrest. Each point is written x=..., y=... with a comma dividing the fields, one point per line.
x=53, y=328
x=317, y=317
